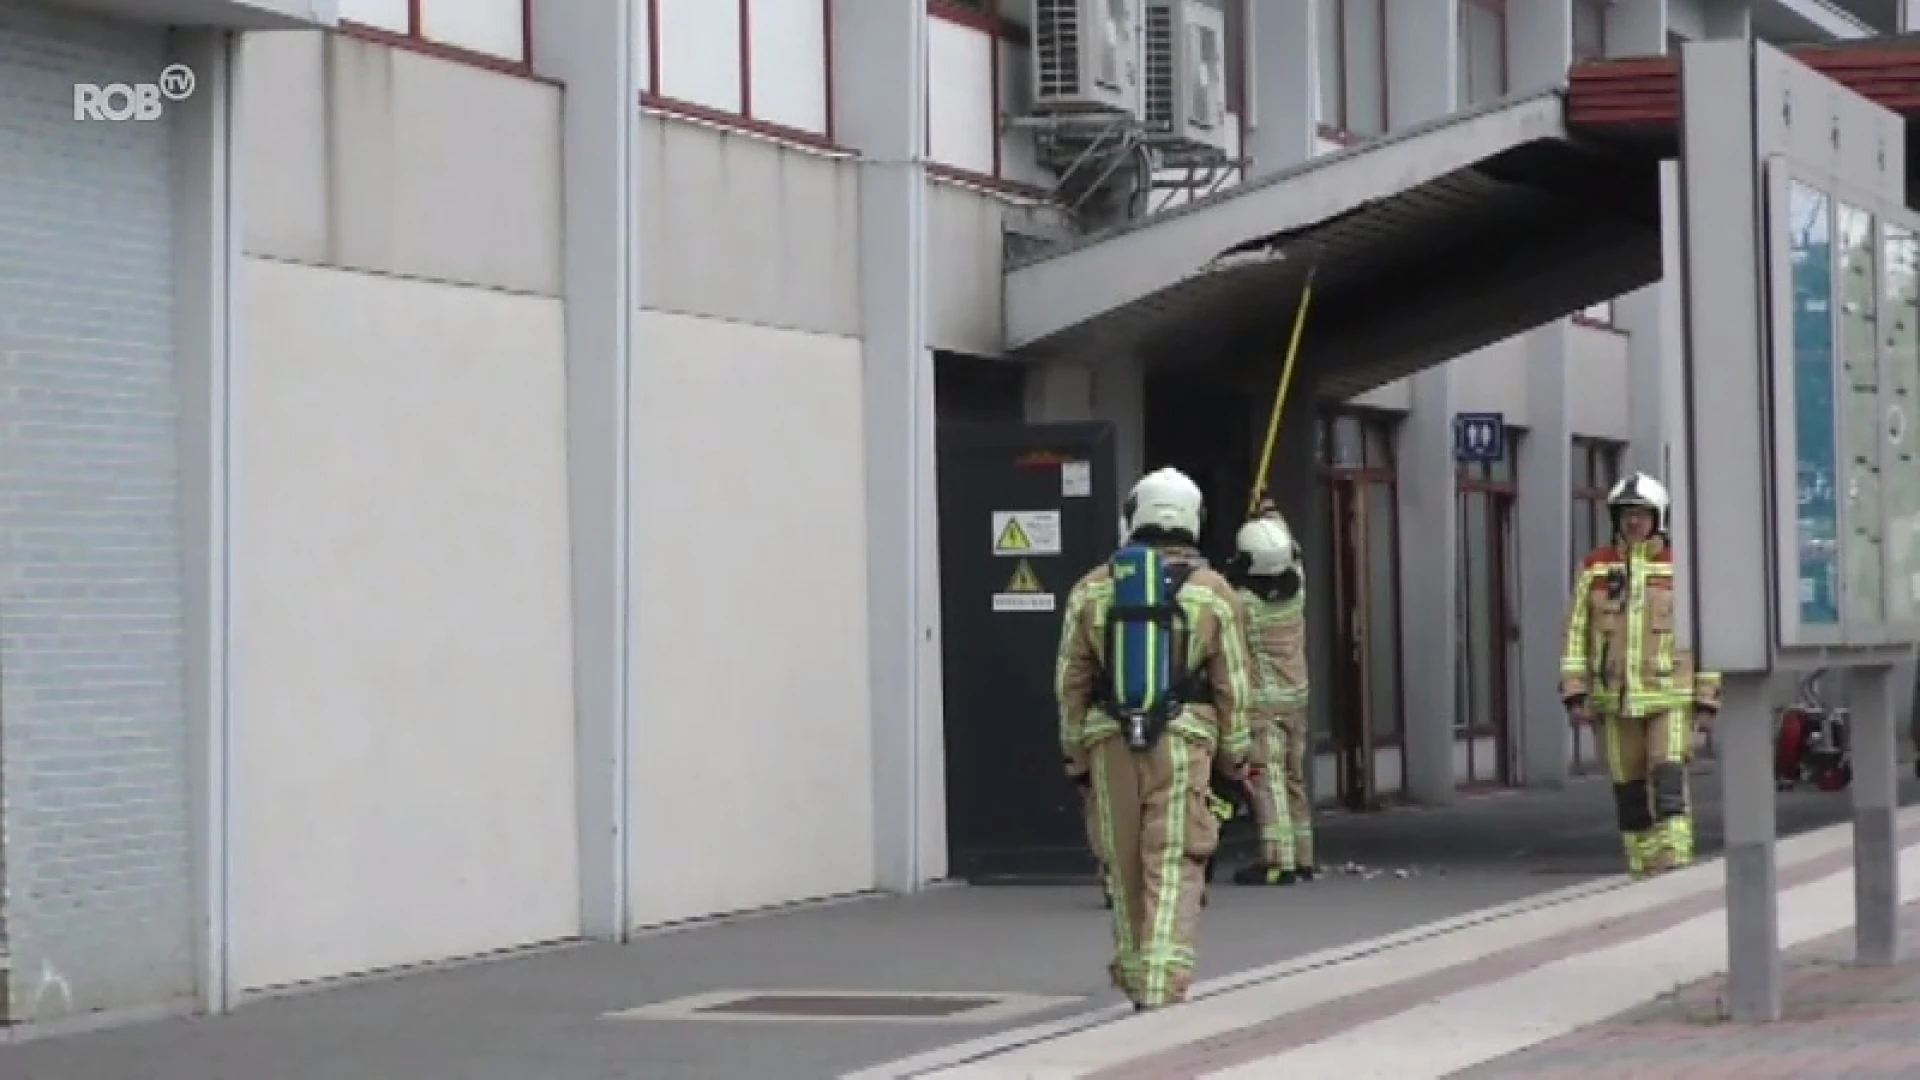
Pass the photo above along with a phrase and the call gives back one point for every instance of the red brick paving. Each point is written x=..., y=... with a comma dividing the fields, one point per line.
x=1698, y=1050
x=1839, y=1021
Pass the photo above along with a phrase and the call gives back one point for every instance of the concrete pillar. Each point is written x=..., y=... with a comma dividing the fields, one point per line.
x=1545, y=752
x=1112, y=391
x=1639, y=28
x=1539, y=50
x=1726, y=19
x=1120, y=399
x=1422, y=54
x=589, y=48
x=207, y=232
x=1651, y=316
x=1059, y=392
x=1539, y=44
x=1636, y=27
x=1283, y=83
x=880, y=98
x=1648, y=315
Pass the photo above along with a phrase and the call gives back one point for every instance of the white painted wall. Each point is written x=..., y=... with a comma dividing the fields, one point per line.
x=403, y=736
x=1396, y=396
x=750, y=780
x=1494, y=379
x=1597, y=366
x=700, y=49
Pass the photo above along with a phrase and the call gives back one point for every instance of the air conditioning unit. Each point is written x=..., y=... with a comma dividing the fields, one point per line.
x=1185, y=111
x=1086, y=56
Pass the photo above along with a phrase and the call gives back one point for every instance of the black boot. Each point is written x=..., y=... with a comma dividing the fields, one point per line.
x=1262, y=874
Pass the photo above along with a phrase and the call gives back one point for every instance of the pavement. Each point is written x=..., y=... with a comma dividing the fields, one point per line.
x=1840, y=1021
x=664, y=1007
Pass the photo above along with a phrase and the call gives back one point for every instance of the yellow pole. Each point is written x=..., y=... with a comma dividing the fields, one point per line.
x=1280, y=393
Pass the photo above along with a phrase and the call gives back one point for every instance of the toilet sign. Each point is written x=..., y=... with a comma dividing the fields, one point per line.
x=1479, y=437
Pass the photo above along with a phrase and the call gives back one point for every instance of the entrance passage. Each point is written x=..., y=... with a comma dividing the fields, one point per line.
x=1205, y=431
x=1025, y=510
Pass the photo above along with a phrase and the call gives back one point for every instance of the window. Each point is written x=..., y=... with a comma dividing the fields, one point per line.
x=1353, y=52
x=1482, y=71
x=1589, y=30
x=1596, y=466
x=1333, y=67
x=493, y=33
x=977, y=62
x=758, y=64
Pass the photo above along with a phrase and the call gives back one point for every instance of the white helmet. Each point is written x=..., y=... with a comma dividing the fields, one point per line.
x=1165, y=499
x=1640, y=490
x=1266, y=546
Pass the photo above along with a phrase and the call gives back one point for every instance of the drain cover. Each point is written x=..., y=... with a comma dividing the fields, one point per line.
x=863, y=1006
x=847, y=1006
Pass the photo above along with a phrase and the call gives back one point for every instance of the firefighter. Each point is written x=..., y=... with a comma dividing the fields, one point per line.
x=1148, y=766
x=1270, y=579
x=1623, y=671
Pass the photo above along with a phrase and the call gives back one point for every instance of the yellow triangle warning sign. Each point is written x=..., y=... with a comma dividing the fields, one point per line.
x=1024, y=579
x=1012, y=537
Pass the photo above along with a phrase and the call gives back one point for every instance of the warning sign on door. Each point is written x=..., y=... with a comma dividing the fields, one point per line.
x=1026, y=532
x=1024, y=579
x=1023, y=592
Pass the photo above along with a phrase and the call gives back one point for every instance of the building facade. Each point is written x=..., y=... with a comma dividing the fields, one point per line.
x=469, y=463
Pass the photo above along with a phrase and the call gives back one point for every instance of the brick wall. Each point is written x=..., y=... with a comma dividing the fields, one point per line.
x=93, y=743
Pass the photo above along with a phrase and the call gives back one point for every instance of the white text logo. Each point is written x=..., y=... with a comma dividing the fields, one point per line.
x=132, y=101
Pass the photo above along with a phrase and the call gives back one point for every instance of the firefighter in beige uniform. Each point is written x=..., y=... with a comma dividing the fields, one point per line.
x=1271, y=582
x=1623, y=672
x=1154, y=831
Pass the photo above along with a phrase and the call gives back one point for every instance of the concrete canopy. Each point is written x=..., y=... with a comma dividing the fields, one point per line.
x=1430, y=242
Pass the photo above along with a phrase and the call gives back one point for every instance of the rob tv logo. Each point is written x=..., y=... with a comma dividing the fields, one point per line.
x=133, y=101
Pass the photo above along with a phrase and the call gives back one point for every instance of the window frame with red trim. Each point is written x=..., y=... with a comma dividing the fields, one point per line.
x=1503, y=82
x=1589, y=46
x=1596, y=467
x=744, y=120
x=414, y=39
x=986, y=17
x=1339, y=126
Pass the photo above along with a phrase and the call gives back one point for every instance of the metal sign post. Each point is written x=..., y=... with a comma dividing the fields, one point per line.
x=1802, y=306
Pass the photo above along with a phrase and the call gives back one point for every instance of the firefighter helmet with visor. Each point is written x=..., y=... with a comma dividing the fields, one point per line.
x=1643, y=491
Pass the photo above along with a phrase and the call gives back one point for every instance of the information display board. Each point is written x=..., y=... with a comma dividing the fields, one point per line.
x=1846, y=368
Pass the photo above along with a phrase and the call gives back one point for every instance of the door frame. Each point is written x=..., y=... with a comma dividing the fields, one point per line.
x=1352, y=740
x=1500, y=509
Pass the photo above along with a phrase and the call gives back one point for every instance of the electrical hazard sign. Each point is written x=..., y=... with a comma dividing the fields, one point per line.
x=1023, y=592
x=1024, y=579
x=1026, y=532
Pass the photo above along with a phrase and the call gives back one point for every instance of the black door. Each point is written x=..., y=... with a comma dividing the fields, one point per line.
x=1025, y=510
